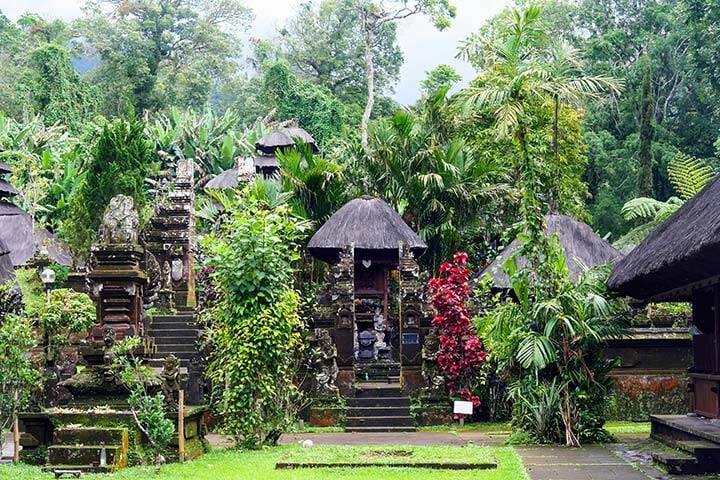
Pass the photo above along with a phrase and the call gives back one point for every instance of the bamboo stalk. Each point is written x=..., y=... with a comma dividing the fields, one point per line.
x=181, y=425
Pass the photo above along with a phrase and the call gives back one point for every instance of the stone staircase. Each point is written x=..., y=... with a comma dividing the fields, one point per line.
x=379, y=403
x=174, y=334
x=694, y=446
x=88, y=449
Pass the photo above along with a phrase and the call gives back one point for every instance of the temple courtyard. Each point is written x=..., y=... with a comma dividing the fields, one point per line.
x=482, y=444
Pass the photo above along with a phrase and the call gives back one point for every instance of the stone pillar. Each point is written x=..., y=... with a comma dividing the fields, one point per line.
x=117, y=279
x=172, y=239
x=336, y=313
x=415, y=319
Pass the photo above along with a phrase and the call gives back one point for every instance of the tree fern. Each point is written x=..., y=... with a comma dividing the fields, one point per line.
x=689, y=175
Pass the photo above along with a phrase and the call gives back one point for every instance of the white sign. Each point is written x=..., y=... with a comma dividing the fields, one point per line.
x=464, y=408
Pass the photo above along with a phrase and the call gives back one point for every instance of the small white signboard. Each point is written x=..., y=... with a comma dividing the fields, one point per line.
x=464, y=408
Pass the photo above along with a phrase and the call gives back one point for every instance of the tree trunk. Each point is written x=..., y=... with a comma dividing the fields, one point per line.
x=554, y=200
x=370, y=78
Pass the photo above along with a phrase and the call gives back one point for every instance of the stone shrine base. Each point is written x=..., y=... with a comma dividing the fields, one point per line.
x=100, y=439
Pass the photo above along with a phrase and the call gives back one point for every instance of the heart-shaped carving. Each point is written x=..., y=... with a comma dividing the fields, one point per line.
x=367, y=263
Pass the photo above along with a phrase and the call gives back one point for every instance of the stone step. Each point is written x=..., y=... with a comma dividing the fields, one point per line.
x=72, y=436
x=158, y=363
x=177, y=349
x=377, y=421
x=189, y=332
x=86, y=455
x=175, y=341
x=379, y=429
x=378, y=402
x=676, y=462
x=69, y=471
x=377, y=411
x=155, y=327
x=179, y=355
x=177, y=317
x=374, y=390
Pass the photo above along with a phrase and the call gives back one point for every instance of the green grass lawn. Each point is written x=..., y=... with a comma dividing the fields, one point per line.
x=628, y=427
x=247, y=465
x=485, y=427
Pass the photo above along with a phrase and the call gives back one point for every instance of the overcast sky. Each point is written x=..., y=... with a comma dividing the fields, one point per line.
x=423, y=46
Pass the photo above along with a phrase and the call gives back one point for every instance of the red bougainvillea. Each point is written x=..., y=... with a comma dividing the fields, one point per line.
x=461, y=351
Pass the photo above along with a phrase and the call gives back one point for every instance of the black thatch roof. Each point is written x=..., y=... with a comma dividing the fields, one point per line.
x=16, y=232
x=680, y=251
x=367, y=222
x=7, y=190
x=284, y=138
x=7, y=272
x=5, y=168
x=583, y=249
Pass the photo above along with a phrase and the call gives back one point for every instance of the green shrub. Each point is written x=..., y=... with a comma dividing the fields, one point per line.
x=254, y=324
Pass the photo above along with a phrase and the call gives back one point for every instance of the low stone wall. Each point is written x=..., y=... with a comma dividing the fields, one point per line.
x=651, y=375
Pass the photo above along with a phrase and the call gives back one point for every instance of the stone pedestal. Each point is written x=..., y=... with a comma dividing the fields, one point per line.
x=117, y=283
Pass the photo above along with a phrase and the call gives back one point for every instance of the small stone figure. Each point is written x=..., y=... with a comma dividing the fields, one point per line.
x=108, y=355
x=171, y=381
x=431, y=372
x=120, y=222
x=324, y=365
x=366, y=345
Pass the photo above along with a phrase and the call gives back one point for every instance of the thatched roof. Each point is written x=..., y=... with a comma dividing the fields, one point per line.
x=266, y=161
x=367, y=222
x=7, y=190
x=583, y=249
x=16, y=232
x=284, y=138
x=232, y=177
x=5, y=168
x=7, y=208
x=7, y=272
x=682, y=250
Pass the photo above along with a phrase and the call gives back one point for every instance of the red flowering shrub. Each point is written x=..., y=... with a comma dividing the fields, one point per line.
x=461, y=351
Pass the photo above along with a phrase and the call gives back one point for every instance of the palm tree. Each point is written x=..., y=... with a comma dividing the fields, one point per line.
x=515, y=80
x=565, y=82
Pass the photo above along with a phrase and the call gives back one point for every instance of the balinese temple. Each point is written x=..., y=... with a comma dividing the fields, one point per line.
x=7, y=272
x=680, y=261
x=265, y=163
x=583, y=248
x=373, y=310
x=19, y=234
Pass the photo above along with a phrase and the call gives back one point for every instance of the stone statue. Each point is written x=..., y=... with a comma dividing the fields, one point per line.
x=324, y=365
x=431, y=371
x=108, y=355
x=171, y=381
x=120, y=222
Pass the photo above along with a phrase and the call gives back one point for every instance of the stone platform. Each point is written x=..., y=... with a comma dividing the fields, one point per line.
x=694, y=443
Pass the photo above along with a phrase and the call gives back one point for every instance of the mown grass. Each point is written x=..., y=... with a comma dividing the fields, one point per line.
x=628, y=427
x=247, y=465
x=485, y=427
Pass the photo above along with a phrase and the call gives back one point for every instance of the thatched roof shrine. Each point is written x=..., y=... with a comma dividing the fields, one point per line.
x=18, y=235
x=583, y=249
x=368, y=223
x=682, y=250
x=265, y=161
x=283, y=138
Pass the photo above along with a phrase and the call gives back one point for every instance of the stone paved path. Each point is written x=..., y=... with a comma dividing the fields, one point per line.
x=587, y=463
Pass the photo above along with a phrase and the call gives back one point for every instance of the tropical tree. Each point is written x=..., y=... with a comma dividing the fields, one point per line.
x=425, y=169
x=316, y=183
x=688, y=175
x=374, y=17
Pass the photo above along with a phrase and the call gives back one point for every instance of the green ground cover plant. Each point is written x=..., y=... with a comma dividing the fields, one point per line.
x=252, y=464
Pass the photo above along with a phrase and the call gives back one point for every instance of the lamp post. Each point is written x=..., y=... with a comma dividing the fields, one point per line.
x=48, y=278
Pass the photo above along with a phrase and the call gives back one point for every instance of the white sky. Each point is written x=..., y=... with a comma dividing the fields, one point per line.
x=422, y=45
